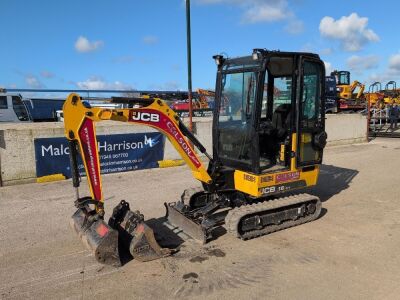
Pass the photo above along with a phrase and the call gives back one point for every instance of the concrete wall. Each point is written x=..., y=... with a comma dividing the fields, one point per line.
x=346, y=129
x=17, y=153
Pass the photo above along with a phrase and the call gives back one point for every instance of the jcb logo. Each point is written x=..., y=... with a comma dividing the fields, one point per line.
x=144, y=116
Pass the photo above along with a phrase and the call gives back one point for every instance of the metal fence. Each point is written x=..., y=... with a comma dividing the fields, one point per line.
x=379, y=123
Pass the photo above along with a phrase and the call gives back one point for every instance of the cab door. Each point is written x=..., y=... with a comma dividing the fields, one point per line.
x=311, y=113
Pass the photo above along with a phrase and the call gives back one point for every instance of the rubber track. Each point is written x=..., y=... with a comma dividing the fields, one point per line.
x=235, y=215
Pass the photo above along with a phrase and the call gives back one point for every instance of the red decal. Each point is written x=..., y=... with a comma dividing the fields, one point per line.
x=154, y=118
x=140, y=228
x=287, y=176
x=88, y=139
x=102, y=229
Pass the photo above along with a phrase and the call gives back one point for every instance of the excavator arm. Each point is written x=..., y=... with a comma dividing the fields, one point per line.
x=80, y=119
x=80, y=128
x=361, y=87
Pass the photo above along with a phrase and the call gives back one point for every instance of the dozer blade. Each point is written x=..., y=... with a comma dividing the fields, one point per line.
x=189, y=227
x=135, y=234
x=99, y=238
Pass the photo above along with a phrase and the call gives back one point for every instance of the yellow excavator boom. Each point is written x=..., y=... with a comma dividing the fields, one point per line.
x=361, y=89
x=79, y=125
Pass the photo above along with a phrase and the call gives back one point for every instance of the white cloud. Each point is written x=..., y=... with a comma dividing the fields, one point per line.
x=266, y=11
x=47, y=74
x=10, y=86
x=150, y=40
x=326, y=51
x=98, y=83
x=172, y=85
x=295, y=26
x=360, y=63
x=33, y=82
x=394, y=62
x=328, y=68
x=255, y=11
x=379, y=77
x=391, y=72
x=222, y=1
x=167, y=86
x=83, y=45
x=308, y=47
x=213, y=1
x=351, y=31
x=123, y=59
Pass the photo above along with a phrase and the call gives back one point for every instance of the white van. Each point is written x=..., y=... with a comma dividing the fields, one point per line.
x=12, y=109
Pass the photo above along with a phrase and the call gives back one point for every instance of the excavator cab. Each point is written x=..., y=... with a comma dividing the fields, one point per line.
x=391, y=89
x=342, y=77
x=264, y=103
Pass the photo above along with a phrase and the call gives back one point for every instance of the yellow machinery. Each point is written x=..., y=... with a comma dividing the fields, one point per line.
x=391, y=94
x=205, y=97
x=347, y=90
x=379, y=98
x=264, y=145
x=348, y=99
x=375, y=95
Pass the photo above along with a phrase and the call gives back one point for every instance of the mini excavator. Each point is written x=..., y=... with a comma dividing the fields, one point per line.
x=268, y=138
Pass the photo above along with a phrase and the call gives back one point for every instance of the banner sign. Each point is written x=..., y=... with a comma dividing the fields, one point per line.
x=204, y=112
x=118, y=153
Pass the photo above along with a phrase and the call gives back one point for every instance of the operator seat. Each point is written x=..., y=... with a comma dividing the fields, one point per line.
x=272, y=133
x=281, y=121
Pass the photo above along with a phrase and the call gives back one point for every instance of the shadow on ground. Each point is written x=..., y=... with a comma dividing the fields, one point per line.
x=165, y=236
x=332, y=180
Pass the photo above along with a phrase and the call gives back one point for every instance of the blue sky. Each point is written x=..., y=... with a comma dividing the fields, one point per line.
x=142, y=44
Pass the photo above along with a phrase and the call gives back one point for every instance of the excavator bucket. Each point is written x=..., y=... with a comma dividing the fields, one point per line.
x=125, y=227
x=135, y=234
x=144, y=246
x=98, y=236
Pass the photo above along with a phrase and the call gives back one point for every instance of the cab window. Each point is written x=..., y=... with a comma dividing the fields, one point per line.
x=3, y=102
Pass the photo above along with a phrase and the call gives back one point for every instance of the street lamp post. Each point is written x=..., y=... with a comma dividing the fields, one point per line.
x=189, y=64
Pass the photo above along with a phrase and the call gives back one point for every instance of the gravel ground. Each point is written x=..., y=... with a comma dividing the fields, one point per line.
x=350, y=252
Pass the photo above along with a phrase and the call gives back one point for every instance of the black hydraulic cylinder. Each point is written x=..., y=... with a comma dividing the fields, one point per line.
x=186, y=132
x=73, y=158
